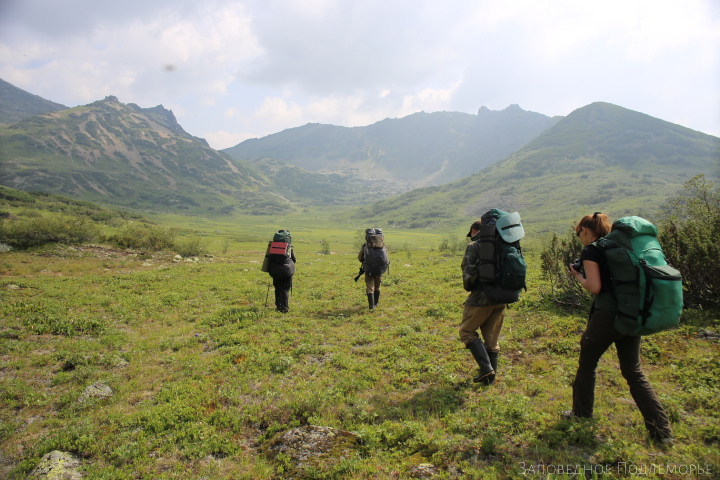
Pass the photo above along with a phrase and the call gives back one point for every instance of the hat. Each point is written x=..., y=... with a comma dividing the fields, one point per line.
x=474, y=226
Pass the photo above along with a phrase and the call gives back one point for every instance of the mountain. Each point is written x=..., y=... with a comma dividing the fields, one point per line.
x=17, y=104
x=601, y=157
x=114, y=153
x=417, y=150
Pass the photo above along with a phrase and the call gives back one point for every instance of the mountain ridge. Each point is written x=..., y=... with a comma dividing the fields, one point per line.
x=600, y=156
x=558, y=176
x=417, y=150
x=16, y=104
x=125, y=155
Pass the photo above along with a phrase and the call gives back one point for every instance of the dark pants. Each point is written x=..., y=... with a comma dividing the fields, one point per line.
x=282, y=286
x=597, y=338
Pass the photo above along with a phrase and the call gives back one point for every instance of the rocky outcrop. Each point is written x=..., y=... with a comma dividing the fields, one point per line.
x=310, y=447
x=57, y=465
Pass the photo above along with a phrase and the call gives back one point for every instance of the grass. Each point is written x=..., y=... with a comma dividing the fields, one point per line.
x=204, y=374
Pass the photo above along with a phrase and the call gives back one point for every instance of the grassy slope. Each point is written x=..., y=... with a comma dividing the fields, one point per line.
x=212, y=373
x=599, y=158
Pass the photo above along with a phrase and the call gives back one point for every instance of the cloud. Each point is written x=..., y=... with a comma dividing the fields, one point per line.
x=144, y=59
x=248, y=66
x=221, y=140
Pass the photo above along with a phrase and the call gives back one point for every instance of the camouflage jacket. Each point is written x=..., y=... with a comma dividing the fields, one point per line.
x=469, y=265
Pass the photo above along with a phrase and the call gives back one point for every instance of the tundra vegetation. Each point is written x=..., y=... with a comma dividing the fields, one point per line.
x=204, y=374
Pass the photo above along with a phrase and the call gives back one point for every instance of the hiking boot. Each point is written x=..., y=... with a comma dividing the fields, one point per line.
x=377, y=297
x=371, y=300
x=493, y=356
x=487, y=374
x=662, y=440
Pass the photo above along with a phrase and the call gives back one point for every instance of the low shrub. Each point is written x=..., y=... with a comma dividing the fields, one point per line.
x=144, y=237
x=555, y=259
x=191, y=246
x=23, y=233
x=689, y=230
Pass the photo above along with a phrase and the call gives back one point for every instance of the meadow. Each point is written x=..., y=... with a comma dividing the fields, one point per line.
x=204, y=371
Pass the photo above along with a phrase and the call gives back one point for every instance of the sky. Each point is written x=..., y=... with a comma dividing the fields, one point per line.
x=233, y=70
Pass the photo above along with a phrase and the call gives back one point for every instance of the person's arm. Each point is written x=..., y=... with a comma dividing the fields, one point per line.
x=591, y=281
x=469, y=267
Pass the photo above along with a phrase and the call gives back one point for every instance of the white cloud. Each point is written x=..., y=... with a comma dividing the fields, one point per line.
x=221, y=140
x=146, y=59
x=247, y=66
x=278, y=111
x=428, y=99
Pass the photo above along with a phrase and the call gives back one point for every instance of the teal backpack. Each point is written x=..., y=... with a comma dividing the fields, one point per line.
x=502, y=266
x=647, y=291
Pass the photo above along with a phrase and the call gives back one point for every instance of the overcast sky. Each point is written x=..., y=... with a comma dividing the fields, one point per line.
x=232, y=70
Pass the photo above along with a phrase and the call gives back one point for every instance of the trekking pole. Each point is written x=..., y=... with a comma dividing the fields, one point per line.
x=267, y=295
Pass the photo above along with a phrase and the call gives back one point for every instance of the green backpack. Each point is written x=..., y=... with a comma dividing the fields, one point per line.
x=502, y=266
x=282, y=236
x=646, y=290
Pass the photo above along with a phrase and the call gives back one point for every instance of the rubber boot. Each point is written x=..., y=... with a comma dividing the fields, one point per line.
x=278, y=300
x=493, y=356
x=477, y=348
x=371, y=300
x=377, y=297
x=282, y=301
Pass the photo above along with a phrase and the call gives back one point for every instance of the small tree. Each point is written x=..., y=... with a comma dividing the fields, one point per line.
x=452, y=244
x=324, y=247
x=689, y=233
x=555, y=260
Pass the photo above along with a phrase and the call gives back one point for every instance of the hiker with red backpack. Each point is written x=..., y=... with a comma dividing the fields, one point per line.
x=280, y=264
x=607, y=250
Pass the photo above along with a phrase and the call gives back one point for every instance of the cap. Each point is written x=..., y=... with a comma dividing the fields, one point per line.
x=474, y=226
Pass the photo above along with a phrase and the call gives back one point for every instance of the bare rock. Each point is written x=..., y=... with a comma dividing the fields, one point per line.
x=708, y=334
x=57, y=465
x=424, y=470
x=96, y=390
x=311, y=447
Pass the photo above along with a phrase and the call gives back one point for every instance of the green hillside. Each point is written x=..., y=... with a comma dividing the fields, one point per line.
x=600, y=157
x=317, y=189
x=127, y=156
x=420, y=149
x=17, y=104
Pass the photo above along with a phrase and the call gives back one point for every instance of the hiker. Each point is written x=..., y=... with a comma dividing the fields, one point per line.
x=593, y=274
x=280, y=264
x=374, y=259
x=480, y=312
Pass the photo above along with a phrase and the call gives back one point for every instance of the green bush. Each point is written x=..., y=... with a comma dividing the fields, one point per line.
x=689, y=232
x=144, y=237
x=555, y=260
x=452, y=245
x=191, y=246
x=324, y=247
x=25, y=233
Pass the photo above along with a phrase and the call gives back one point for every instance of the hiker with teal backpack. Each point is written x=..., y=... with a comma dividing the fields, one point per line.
x=493, y=271
x=615, y=266
x=279, y=262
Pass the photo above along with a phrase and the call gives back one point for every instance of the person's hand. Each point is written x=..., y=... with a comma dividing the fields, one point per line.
x=572, y=272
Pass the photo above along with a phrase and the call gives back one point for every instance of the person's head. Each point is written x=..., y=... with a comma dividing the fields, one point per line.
x=474, y=228
x=592, y=227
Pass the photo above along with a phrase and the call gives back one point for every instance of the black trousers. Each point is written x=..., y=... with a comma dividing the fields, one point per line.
x=282, y=286
x=597, y=338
